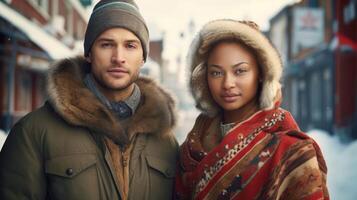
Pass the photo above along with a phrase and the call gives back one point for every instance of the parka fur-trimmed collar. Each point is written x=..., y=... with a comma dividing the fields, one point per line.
x=78, y=106
x=246, y=33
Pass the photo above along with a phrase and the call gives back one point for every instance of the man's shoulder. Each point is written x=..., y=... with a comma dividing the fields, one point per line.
x=41, y=113
x=46, y=125
x=33, y=125
x=40, y=118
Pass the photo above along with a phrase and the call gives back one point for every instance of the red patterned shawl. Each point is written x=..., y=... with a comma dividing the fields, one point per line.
x=264, y=157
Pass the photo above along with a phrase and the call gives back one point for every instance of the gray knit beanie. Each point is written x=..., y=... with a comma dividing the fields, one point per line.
x=116, y=13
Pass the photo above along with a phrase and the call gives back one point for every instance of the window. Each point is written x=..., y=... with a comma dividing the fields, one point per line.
x=70, y=21
x=328, y=94
x=40, y=90
x=24, y=93
x=294, y=97
x=315, y=96
x=54, y=8
x=3, y=87
x=349, y=12
x=80, y=30
x=41, y=6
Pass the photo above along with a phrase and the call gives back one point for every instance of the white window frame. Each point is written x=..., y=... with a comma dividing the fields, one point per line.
x=43, y=10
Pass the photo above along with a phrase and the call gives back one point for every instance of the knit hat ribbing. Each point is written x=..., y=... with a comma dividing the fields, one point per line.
x=116, y=13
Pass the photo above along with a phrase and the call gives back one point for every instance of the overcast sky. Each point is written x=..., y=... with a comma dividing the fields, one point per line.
x=171, y=13
x=173, y=16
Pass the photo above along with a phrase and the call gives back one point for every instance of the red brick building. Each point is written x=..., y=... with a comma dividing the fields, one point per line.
x=320, y=78
x=346, y=67
x=33, y=33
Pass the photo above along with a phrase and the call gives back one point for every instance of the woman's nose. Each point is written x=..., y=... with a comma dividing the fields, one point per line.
x=228, y=82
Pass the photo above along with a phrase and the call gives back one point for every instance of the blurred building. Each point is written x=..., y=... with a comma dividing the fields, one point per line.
x=317, y=40
x=151, y=69
x=154, y=64
x=345, y=50
x=176, y=79
x=33, y=33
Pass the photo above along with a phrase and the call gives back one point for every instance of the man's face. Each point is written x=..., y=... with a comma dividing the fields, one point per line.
x=116, y=57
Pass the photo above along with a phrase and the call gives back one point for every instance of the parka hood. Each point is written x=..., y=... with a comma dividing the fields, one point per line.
x=78, y=106
x=244, y=32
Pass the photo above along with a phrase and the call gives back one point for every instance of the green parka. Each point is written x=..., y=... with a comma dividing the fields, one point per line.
x=59, y=151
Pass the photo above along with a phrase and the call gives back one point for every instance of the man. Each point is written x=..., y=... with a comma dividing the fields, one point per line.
x=104, y=133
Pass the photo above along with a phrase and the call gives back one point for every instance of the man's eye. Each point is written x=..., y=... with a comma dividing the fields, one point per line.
x=106, y=45
x=131, y=46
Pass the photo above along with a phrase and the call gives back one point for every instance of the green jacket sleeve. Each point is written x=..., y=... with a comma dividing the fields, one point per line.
x=21, y=165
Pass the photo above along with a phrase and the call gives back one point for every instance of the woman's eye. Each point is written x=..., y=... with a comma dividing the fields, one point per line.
x=240, y=71
x=215, y=73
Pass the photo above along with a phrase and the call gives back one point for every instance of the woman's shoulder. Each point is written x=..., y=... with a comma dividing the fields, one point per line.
x=287, y=130
x=296, y=142
x=293, y=136
x=203, y=125
x=202, y=121
x=295, y=139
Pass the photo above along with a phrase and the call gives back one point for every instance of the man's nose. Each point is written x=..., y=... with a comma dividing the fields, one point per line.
x=118, y=55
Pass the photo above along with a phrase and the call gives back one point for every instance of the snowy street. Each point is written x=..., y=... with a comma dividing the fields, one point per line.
x=341, y=160
x=2, y=138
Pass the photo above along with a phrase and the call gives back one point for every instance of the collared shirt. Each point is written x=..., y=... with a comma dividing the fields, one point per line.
x=123, y=109
x=225, y=128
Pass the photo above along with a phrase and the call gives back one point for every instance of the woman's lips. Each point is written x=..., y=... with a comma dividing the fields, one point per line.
x=229, y=98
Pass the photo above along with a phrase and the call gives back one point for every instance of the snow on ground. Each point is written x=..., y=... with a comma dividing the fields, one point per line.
x=2, y=138
x=341, y=161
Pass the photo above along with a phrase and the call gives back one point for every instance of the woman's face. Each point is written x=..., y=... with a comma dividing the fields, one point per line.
x=233, y=76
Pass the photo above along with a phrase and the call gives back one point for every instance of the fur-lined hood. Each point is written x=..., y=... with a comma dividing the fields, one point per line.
x=78, y=106
x=247, y=33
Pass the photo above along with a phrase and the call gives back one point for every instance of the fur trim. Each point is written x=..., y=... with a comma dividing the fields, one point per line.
x=79, y=106
x=218, y=30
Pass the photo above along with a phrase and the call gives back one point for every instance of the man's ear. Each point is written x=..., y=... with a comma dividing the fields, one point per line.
x=88, y=58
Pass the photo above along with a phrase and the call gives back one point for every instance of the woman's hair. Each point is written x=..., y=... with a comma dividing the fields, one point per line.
x=247, y=34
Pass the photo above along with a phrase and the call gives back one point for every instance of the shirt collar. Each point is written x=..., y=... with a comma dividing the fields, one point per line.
x=132, y=101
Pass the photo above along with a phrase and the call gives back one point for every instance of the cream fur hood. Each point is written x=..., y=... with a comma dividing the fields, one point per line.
x=78, y=106
x=247, y=33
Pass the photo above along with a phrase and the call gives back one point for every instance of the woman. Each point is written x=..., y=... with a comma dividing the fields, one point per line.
x=243, y=145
